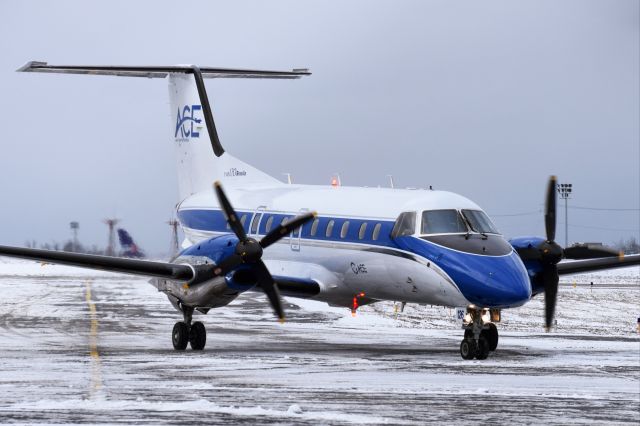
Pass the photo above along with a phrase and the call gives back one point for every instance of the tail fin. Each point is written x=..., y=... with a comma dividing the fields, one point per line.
x=129, y=247
x=200, y=156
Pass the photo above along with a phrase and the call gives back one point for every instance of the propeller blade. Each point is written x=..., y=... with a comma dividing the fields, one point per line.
x=550, y=209
x=550, y=278
x=579, y=252
x=281, y=230
x=229, y=212
x=265, y=281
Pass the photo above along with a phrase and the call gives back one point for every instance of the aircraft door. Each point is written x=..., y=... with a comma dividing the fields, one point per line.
x=254, y=229
x=296, y=235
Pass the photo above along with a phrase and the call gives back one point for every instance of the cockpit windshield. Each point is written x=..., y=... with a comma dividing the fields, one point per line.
x=442, y=222
x=479, y=222
x=405, y=225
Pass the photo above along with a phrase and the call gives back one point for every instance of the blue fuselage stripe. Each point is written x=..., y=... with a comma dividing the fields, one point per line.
x=214, y=221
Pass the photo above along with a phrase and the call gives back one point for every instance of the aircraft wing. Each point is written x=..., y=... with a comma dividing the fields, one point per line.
x=581, y=266
x=146, y=268
x=288, y=286
x=297, y=287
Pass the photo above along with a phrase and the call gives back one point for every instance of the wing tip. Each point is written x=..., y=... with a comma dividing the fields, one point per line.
x=29, y=66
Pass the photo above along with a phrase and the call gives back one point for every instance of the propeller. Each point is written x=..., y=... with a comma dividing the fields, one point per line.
x=549, y=253
x=249, y=251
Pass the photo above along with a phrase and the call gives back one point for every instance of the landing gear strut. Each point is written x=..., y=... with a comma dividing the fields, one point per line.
x=184, y=332
x=480, y=335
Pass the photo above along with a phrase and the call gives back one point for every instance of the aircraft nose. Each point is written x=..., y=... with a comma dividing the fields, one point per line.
x=498, y=283
x=507, y=289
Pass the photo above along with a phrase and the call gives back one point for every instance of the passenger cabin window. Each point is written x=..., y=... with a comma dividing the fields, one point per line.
x=329, y=228
x=480, y=222
x=376, y=231
x=362, y=231
x=267, y=227
x=442, y=222
x=344, y=230
x=243, y=220
x=405, y=225
x=314, y=227
x=255, y=222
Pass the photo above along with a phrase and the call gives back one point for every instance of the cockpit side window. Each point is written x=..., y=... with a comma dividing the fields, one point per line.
x=442, y=222
x=405, y=225
x=480, y=222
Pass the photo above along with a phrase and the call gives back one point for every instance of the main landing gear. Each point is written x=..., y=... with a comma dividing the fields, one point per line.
x=184, y=332
x=480, y=334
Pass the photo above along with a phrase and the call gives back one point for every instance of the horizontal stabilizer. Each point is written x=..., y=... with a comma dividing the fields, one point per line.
x=159, y=71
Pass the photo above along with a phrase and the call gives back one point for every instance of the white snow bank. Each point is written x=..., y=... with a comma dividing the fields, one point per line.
x=200, y=406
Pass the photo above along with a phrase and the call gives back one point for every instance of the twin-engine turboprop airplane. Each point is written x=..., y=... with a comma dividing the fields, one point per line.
x=364, y=245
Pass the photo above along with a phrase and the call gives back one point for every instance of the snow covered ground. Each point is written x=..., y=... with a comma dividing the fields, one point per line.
x=81, y=346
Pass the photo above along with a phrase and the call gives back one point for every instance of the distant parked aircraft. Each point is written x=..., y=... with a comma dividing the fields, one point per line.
x=129, y=247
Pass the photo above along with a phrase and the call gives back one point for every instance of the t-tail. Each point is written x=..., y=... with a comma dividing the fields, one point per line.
x=201, y=159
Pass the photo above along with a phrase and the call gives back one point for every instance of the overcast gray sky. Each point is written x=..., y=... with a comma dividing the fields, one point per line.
x=486, y=99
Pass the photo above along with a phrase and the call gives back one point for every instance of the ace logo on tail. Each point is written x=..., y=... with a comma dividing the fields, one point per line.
x=185, y=120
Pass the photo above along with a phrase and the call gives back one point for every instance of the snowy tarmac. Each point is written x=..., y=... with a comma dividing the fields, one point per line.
x=82, y=346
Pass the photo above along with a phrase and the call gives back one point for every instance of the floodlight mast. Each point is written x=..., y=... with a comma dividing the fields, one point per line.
x=565, y=189
x=74, y=231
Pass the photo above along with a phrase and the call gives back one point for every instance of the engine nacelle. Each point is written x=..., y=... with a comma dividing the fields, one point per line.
x=213, y=293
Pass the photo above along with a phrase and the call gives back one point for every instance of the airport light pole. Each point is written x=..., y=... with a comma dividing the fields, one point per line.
x=74, y=231
x=565, y=189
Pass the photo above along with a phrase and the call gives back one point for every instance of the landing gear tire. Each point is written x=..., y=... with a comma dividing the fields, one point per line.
x=468, y=348
x=483, y=349
x=180, y=336
x=491, y=335
x=197, y=336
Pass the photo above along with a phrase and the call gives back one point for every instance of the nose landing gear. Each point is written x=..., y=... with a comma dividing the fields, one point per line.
x=184, y=332
x=480, y=335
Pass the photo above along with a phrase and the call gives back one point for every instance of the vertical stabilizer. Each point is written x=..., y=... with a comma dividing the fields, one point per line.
x=197, y=163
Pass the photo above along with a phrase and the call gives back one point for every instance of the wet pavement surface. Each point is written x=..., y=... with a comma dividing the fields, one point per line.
x=97, y=349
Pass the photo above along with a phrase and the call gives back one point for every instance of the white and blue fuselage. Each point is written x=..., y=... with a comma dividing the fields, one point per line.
x=350, y=250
